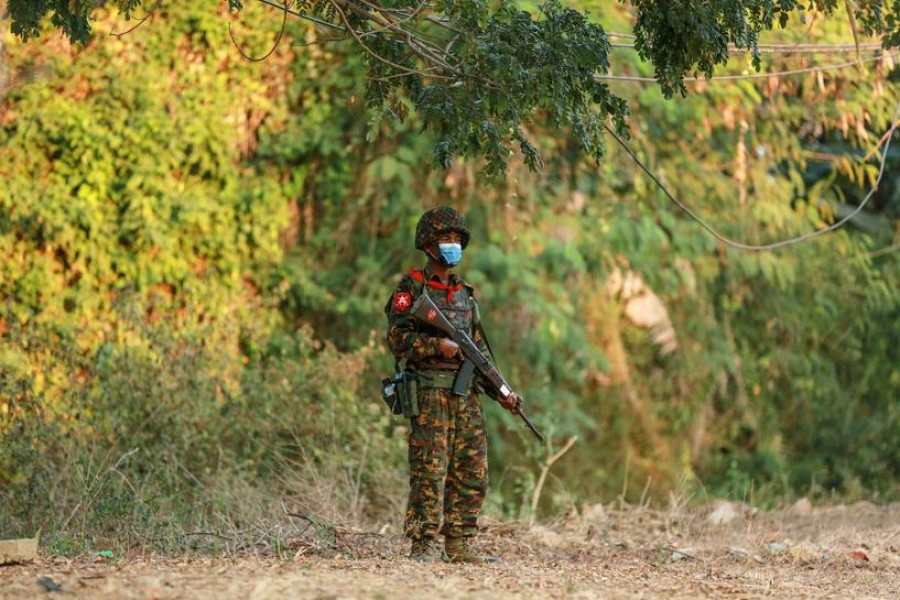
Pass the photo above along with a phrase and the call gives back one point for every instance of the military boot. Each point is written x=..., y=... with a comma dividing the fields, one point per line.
x=424, y=550
x=457, y=550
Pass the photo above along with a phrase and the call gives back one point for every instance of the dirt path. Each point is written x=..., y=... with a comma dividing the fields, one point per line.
x=838, y=552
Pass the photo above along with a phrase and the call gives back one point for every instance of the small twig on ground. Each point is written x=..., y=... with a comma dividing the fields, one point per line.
x=363, y=533
x=310, y=522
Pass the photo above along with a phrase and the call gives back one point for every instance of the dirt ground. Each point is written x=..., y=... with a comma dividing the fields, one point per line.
x=724, y=550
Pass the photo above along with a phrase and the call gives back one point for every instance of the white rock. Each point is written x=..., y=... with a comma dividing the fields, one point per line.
x=548, y=537
x=725, y=512
x=801, y=507
x=777, y=548
x=593, y=514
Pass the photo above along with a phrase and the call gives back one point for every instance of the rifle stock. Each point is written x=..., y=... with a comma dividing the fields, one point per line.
x=427, y=311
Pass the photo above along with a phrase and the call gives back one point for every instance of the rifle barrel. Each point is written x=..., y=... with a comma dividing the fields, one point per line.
x=531, y=426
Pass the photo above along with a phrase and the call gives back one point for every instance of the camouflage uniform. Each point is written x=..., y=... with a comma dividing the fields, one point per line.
x=447, y=441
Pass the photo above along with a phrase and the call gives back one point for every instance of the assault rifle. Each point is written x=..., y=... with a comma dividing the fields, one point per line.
x=428, y=312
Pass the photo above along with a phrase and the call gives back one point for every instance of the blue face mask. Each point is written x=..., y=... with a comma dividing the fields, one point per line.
x=451, y=253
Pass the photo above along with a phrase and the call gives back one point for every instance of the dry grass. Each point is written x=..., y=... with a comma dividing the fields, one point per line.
x=633, y=552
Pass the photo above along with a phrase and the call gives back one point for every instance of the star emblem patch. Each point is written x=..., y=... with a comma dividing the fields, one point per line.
x=402, y=301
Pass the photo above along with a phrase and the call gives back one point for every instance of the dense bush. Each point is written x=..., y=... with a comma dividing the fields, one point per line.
x=168, y=434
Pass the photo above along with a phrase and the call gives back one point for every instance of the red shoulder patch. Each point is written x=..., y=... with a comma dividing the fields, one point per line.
x=402, y=301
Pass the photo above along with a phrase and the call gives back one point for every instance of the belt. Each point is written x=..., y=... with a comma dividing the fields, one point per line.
x=437, y=379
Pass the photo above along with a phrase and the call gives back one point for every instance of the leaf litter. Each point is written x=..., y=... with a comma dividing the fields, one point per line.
x=846, y=551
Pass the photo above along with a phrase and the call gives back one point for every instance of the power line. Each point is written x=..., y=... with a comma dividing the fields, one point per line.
x=787, y=242
x=853, y=44
x=766, y=48
x=837, y=67
x=787, y=48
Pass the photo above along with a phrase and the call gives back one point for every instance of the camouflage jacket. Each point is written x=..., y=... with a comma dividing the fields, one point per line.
x=419, y=343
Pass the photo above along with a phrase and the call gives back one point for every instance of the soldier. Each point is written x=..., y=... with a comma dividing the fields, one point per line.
x=447, y=441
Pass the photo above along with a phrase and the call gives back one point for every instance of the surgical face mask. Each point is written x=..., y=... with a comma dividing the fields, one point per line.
x=451, y=253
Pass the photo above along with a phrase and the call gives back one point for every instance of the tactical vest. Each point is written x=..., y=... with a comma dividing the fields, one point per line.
x=456, y=302
x=458, y=305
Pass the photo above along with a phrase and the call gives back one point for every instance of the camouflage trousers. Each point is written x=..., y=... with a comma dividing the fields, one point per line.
x=448, y=474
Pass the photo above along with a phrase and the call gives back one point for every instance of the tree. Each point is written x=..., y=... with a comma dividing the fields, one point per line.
x=478, y=73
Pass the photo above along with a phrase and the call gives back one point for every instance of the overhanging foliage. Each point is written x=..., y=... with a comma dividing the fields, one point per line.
x=480, y=73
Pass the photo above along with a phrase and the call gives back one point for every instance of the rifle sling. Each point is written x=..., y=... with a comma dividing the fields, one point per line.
x=477, y=322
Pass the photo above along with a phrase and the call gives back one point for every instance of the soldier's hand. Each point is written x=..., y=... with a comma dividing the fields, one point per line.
x=512, y=403
x=449, y=348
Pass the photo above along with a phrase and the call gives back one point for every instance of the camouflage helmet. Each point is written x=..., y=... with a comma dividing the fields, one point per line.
x=437, y=221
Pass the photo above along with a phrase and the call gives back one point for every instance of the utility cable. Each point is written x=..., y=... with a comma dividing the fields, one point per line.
x=771, y=47
x=787, y=242
x=768, y=45
x=733, y=243
x=786, y=48
x=712, y=79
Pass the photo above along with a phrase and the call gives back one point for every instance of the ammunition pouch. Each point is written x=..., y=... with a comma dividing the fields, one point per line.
x=401, y=393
